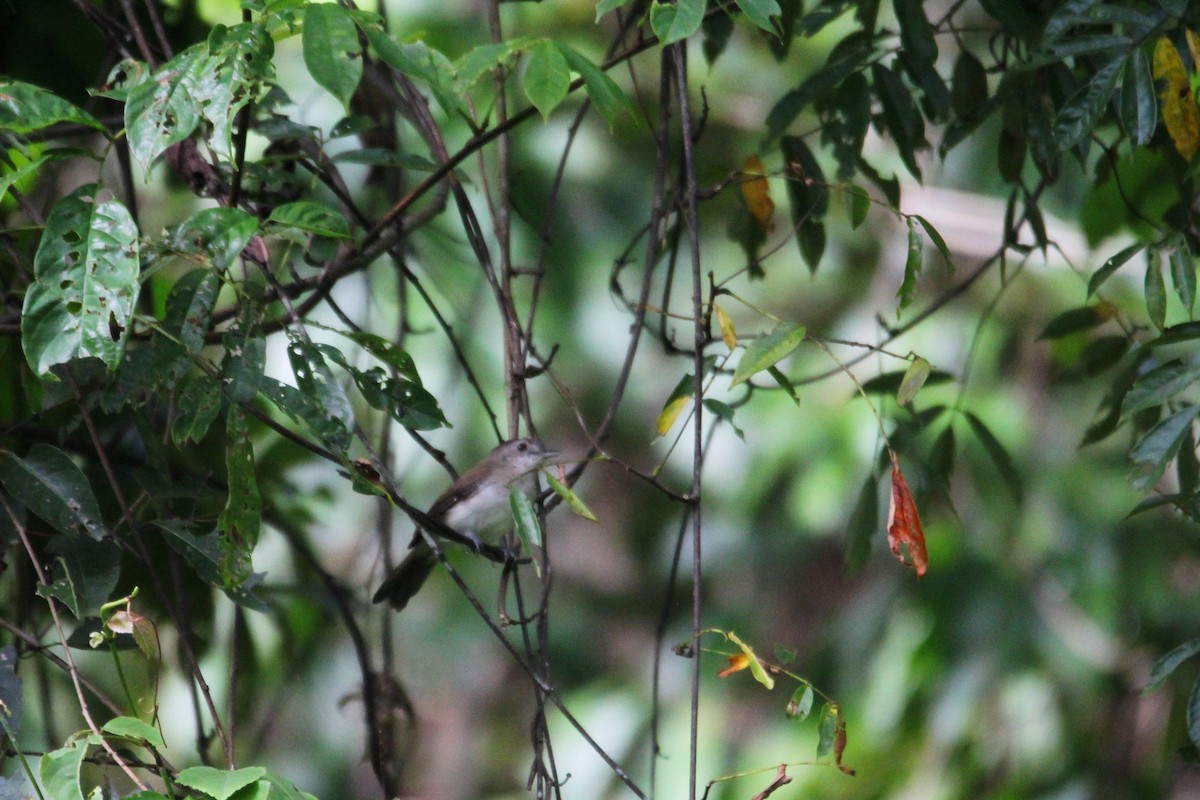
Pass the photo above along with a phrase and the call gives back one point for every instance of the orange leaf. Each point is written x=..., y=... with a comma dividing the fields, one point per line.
x=736, y=664
x=905, y=536
x=757, y=194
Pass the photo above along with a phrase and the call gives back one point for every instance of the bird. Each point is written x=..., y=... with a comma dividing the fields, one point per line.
x=476, y=505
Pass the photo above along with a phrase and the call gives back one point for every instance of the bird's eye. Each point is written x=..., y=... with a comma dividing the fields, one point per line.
x=522, y=446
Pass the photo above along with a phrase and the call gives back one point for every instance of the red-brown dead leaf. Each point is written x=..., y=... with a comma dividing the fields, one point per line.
x=839, y=747
x=905, y=536
x=757, y=194
x=736, y=664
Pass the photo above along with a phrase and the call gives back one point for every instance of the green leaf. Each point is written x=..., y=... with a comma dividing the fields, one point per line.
x=48, y=483
x=418, y=60
x=1183, y=273
x=801, y=703
x=1156, y=291
x=242, y=517
x=1159, y=446
x=1193, y=713
x=1073, y=321
x=313, y=217
x=784, y=383
x=189, y=308
x=760, y=13
x=25, y=107
x=547, y=77
x=968, y=86
x=788, y=107
x=1078, y=117
x=673, y=22
x=220, y=234
x=526, y=524
x=85, y=286
x=901, y=116
x=889, y=382
x=604, y=6
x=724, y=413
x=303, y=408
x=1160, y=384
x=406, y=400
x=912, y=266
x=474, y=64
x=218, y=783
x=676, y=403
x=59, y=772
x=316, y=381
x=767, y=350
x=1139, y=104
x=164, y=110
x=756, y=667
x=1165, y=666
x=858, y=203
x=331, y=49
x=863, y=525
x=196, y=409
x=914, y=378
x=573, y=501
x=134, y=730
x=602, y=90
x=937, y=240
x=12, y=699
x=916, y=34
x=236, y=72
x=1000, y=457
x=1112, y=265
x=826, y=729
x=89, y=572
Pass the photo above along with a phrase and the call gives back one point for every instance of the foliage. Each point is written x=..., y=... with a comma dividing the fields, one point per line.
x=225, y=308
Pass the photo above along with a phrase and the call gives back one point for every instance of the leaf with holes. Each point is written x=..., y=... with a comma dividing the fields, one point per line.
x=164, y=110
x=85, y=284
x=219, y=234
x=237, y=71
x=331, y=50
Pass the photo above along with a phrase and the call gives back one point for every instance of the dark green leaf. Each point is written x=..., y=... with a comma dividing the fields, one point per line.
x=218, y=233
x=901, y=116
x=1187, y=467
x=1156, y=291
x=88, y=574
x=85, y=286
x=418, y=60
x=1159, y=446
x=1193, y=713
x=717, y=29
x=242, y=516
x=916, y=34
x=1165, y=666
x=25, y=108
x=1073, y=321
x=937, y=240
x=331, y=49
x=1161, y=385
x=1139, y=102
x=767, y=350
x=784, y=383
x=236, y=72
x=196, y=409
x=316, y=381
x=1000, y=457
x=968, y=85
x=785, y=111
x=760, y=13
x=889, y=382
x=826, y=729
x=673, y=22
x=858, y=203
x=1112, y=265
x=1078, y=117
x=547, y=77
x=47, y=482
x=313, y=217
x=912, y=267
x=725, y=414
x=1102, y=353
x=935, y=96
x=1183, y=274
x=602, y=90
x=863, y=525
x=11, y=694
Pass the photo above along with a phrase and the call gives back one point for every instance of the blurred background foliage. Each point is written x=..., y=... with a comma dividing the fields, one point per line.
x=1013, y=669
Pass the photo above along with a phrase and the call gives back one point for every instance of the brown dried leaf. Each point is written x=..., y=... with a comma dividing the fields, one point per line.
x=905, y=536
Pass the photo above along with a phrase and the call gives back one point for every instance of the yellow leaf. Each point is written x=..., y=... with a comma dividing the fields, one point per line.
x=727, y=331
x=756, y=667
x=675, y=405
x=757, y=194
x=1178, y=105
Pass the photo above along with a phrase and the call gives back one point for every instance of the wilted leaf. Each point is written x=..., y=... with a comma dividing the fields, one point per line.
x=676, y=403
x=728, y=334
x=737, y=663
x=757, y=193
x=839, y=747
x=756, y=667
x=914, y=378
x=767, y=350
x=1179, y=111
x=905, y=536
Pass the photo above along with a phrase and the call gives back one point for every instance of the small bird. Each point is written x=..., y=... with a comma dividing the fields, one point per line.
x=476, y=505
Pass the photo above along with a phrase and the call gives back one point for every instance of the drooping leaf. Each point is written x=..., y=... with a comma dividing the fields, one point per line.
x=1078, y=117
x=858, y=203
x=913, y=262
x=999, y=455
x=672, y=22
x=717, y=29
x=788, y=107
x=526, y=524
x=237, y=71
x=602, y=90
x=914, y=378
x=784, y=383
x=937, y=240
x=900, y=115
x=761, y=12
x=1112, y=265
x=906, y=538
x=826, y=729
x=47, y=482
x=862, y=525
x=25, y=108
x=218, y=783
x=1155, y=290
x=1183, y=273
x=332, y=52
x=313, y=217
x=756, y=667
x=573, y=501
x=1160, y=444
x=724, y=412
x=767, y=350
x=916, y=34
x=889, y=382
x=12, y=700
x=1160, y=385
x=1192, y=716
x=1139, y=105
x=839, y=747
x=196, y=409
x=680, y=397
x=757, y=193
x=85, y=574
x=1178, y=107
x=85, y=286
x=547, y=77
x=242, y=516
x=968, y=85
x=1165, y=666
x=134, y=730
x=808, y=196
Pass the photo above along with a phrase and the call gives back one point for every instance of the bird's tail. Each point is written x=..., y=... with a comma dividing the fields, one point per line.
x=408, y=576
